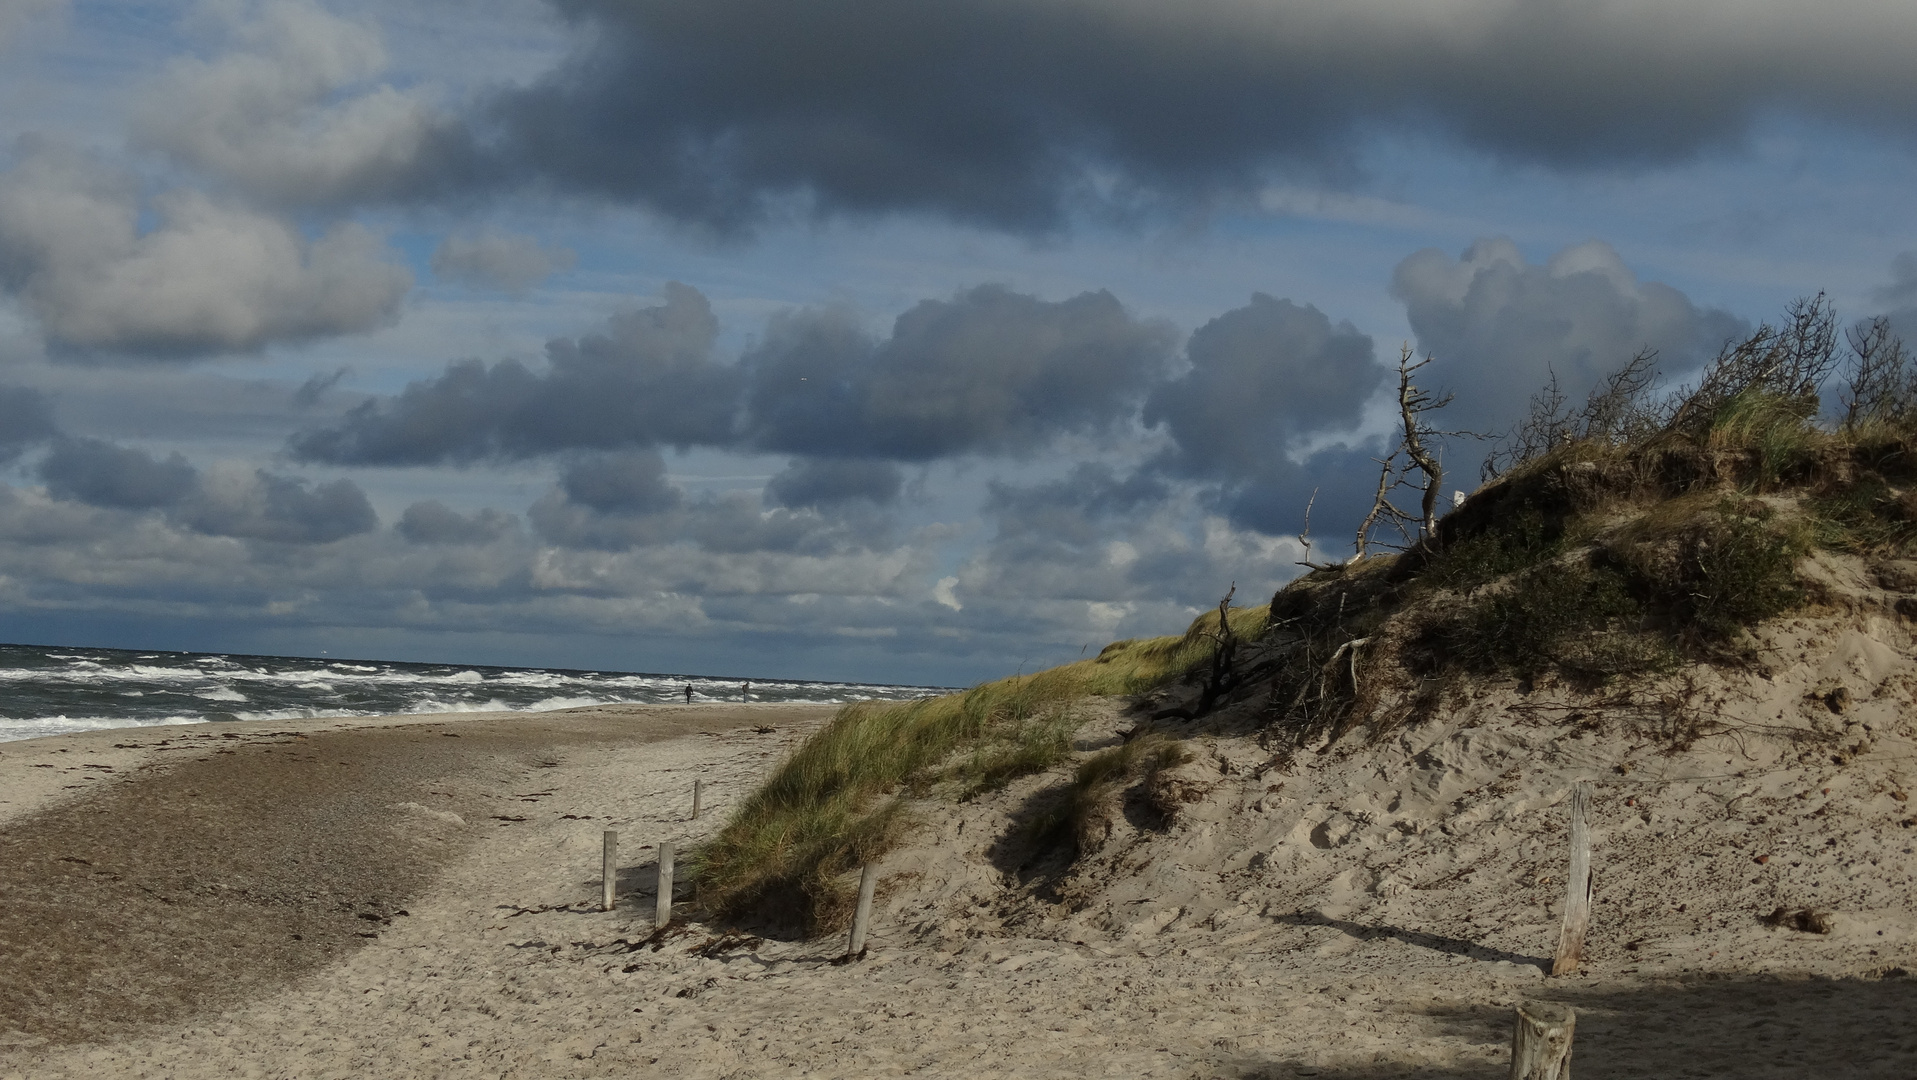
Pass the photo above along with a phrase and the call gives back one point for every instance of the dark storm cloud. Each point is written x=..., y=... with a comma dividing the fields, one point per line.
x=817, y=482
x=1010, y=112
x=259, y=505
x=433, y=522
x=1266, y=379
x=101, y=474
x=1263, y=376
x=622, y=501
x=649, y=378
x=989, y=371
x=1499, y=326
x=227, y=500
x=25, y=419
x=631, y=483
x=1109, y=538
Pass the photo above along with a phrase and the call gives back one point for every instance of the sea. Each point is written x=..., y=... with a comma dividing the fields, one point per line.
x=48, y=690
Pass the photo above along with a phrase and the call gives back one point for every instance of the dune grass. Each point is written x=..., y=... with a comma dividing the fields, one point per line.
x=837, y=801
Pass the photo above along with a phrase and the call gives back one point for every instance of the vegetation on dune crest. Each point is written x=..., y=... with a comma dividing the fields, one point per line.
x=1641, y=532
x=1633, y=535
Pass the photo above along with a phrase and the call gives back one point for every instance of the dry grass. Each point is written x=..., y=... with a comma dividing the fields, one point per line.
x=837, y=801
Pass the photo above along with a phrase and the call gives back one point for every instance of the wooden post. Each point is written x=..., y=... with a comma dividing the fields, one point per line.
x=1577, y=887
x=1541, y=1042
x=697, y=789
x=609, y=870
x=862, y=915
x=662, y=911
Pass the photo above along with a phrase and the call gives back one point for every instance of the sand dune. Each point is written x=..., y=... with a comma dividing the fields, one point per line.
x=1280, y=925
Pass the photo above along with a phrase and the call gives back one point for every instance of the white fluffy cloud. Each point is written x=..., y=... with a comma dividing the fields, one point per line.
x=290, y=114
x=1500, y=326
x=209, y=277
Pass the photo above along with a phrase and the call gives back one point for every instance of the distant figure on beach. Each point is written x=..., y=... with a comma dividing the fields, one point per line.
x=688, y=693
x=745, y=692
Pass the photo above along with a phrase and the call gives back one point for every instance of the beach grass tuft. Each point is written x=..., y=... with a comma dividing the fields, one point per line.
x=838, y=800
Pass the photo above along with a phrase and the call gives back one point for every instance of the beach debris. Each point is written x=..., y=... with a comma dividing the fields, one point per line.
x=1541, y=1041
x=862, y=916
x=1806, y=920
x=662, y=908
x=1577, y=901
x=608, y=869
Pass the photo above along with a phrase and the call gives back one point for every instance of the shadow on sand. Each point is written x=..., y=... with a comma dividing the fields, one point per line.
x=1743, y=1026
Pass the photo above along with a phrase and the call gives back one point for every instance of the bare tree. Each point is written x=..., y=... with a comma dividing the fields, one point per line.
x=1879, y=384
x=1789, y=362
x=1413, y=454
x=1622, y=408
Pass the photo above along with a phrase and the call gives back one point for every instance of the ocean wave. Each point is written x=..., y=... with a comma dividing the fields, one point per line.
x=42, y=726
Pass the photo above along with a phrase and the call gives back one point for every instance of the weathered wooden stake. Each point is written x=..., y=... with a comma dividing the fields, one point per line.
x=862, y=915
x=698, y=787
x=1541, y=1042
x=1577, y=888
x=609, y=870
x=662, y=911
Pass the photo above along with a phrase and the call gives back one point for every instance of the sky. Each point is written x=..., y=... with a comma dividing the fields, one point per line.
x=853, y=339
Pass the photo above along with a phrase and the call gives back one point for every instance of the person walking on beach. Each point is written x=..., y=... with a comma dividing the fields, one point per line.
x=745, y=692
x=688, y=693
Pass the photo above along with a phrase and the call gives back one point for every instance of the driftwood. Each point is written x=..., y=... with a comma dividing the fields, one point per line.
x=608, y=870
x=862, y=915
x=1577, y=896
x=662, y=906
x=1541, y=1041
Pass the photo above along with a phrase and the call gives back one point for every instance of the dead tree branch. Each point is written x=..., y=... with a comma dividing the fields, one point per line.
x=1415, y=446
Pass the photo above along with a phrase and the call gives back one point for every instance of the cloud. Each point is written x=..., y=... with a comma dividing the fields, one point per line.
x=1500, y=326
x=254, y=504
x=16, y=15
x=227, y=500
x=648, y=378
x=208, y=278
x=288, y=115
x=1106, y=553
x=433, y=522
x=630, y=483
x=989, y=371
x=1263, y=377
x=1012, y=113
x=507, y=262
x=25, y=419
x=101, y=474
x=621, y=501
x=318, y=386
x=821, y=482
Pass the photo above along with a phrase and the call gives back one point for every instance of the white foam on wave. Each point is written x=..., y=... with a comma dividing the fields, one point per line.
x=41, y=726
x=222, y=693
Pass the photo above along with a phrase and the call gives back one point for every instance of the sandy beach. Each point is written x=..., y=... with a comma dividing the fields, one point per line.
x=417, y=896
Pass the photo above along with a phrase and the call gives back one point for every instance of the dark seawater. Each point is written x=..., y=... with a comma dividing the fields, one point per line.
x=48, y=690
